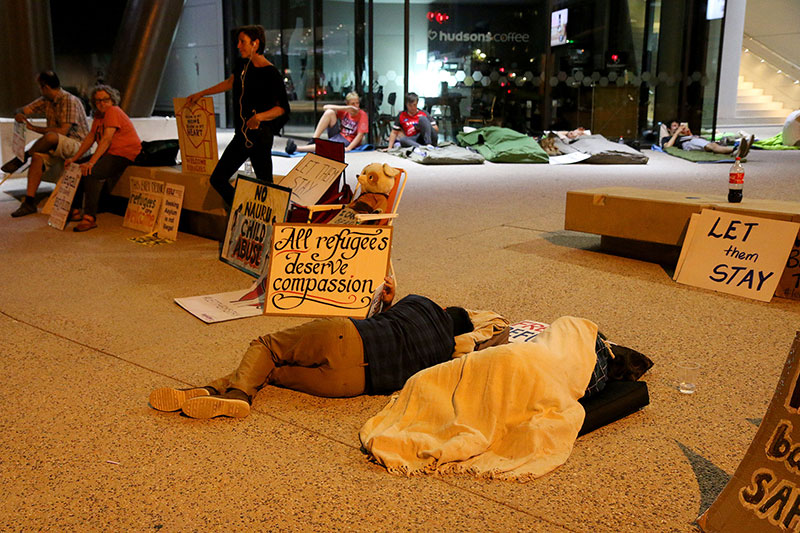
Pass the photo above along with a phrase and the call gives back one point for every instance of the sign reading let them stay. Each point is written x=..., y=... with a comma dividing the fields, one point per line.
x=256, y=208
x=325, y=269
x=764, y=493
x=735, y=254
x=197, y=135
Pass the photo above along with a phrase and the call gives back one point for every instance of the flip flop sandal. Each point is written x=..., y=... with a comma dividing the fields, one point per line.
x=88, y=222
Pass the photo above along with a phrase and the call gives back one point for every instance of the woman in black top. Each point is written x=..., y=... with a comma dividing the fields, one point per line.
x=262, y=108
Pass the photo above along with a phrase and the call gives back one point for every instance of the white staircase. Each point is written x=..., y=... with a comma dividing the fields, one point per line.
x=755, y=108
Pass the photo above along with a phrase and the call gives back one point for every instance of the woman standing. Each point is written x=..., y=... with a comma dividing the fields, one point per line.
x=117, y=147
x=261, y=110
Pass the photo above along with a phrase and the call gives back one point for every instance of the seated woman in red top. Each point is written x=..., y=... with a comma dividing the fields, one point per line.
x=346, y=124
x=117, y=147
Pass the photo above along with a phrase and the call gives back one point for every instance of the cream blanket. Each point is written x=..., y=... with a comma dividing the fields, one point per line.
x=508, y=412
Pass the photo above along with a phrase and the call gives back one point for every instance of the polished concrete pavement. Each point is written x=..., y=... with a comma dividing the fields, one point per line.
x=89, y=328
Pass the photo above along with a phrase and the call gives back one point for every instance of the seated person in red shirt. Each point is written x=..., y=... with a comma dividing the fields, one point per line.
x=346, y=124
x=413, y=126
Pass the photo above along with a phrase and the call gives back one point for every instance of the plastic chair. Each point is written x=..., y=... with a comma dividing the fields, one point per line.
x=380, y=219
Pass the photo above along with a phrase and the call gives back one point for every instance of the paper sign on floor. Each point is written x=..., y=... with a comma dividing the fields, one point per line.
x=326, y=270
x=197, y=135
x=214, y=308
x=735, y=254
x=64, y=195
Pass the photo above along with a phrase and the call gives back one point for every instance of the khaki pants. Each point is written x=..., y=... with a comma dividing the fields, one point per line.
x=324, y=357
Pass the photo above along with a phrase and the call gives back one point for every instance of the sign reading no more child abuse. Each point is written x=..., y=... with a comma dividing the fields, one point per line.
x=735, y=254
x=326, y=269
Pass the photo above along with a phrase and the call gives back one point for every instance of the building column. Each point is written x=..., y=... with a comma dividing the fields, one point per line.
x=731, y=57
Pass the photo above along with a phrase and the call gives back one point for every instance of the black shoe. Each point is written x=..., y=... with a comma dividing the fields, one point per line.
x=233, y=403
x=13, y=165
x=169, y=399
x=25, y=208
x=291, y=147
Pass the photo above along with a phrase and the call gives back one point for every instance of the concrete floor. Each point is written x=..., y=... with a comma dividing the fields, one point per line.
x=89, y=328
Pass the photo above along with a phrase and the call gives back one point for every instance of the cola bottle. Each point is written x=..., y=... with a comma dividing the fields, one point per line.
x=736, y=182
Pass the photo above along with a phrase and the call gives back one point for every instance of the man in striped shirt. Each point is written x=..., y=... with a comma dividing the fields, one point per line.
x=66, y=126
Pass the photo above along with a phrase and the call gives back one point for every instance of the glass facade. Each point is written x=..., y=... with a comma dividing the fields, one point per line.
x=617, y=67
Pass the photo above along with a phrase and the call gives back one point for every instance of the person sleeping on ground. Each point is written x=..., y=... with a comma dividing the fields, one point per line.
x=332, y=357
x=680, y=136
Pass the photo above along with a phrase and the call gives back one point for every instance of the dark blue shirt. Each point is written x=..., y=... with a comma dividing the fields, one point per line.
x=413, y=334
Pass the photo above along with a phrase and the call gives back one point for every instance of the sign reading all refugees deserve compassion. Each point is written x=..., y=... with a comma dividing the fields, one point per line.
x=735, y=254
x=197, y=135
x=256, y=208
x=764, y=493
x=64, y=195
x=326, y=270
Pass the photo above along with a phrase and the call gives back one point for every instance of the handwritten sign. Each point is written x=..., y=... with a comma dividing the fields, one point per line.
x=735, y=254
x=789, y=285
x=525, y=330
x=144, y=204
x=311, y=177
x=171, y=203
x=213, y=308
x=197, y=135
x=18, y=140
x=64, y=195
x=764, y=492
x=256, y=208
x=325, y=269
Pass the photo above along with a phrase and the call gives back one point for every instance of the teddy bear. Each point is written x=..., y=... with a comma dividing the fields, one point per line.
x=376, y=182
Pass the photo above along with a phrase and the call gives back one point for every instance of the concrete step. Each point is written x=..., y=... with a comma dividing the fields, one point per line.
x=753, y=99
x=768, y=114
x=749, y=92
x=758, y=106
x=743, y=122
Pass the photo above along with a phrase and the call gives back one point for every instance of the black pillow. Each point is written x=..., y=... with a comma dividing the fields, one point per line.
x=627, y=364
x=160, y=153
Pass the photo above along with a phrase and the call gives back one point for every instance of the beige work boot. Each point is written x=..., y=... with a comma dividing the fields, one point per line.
x=233, y=403
x=169, y=399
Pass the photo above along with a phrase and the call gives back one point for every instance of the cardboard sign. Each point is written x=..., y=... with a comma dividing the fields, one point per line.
x=225, y=306
x=789, y=285
x=525, y=330
x=257, y=206
x=65, y=194
x=311, y=177
x=325, y=269
x=764, y=493
x=735, y=254
x=197, y=135
x=167, y=224
x=144, y=204
x=18, y=141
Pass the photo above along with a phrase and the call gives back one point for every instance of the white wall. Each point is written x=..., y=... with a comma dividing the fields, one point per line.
x=731, y=57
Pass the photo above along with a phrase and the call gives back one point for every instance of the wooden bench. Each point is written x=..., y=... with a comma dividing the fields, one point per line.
x=651, y=224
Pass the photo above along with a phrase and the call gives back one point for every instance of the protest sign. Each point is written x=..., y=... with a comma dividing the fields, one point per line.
x=197, y=135
x=64, y=195
x=735, y=254
x=525, y=330
x=311, y=177
x=224, y=306
x=257, y=206
x=764, y=492
x=167, y=224
x=144, y=204
x=18, y=141
x=326, y=270
x=789, y=285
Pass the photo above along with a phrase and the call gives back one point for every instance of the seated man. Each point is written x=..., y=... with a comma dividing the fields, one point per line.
x=346, y=124
x=413, y=126
x=332, y=357
x=679, y=135
x=61, y=137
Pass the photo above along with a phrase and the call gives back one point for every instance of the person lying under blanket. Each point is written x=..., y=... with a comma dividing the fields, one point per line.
x=334, y=357
x=507, y=412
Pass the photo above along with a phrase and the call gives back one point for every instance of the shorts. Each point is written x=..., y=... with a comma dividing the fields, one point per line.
x=335, y=134
x=695, y=144
x=54, y=159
